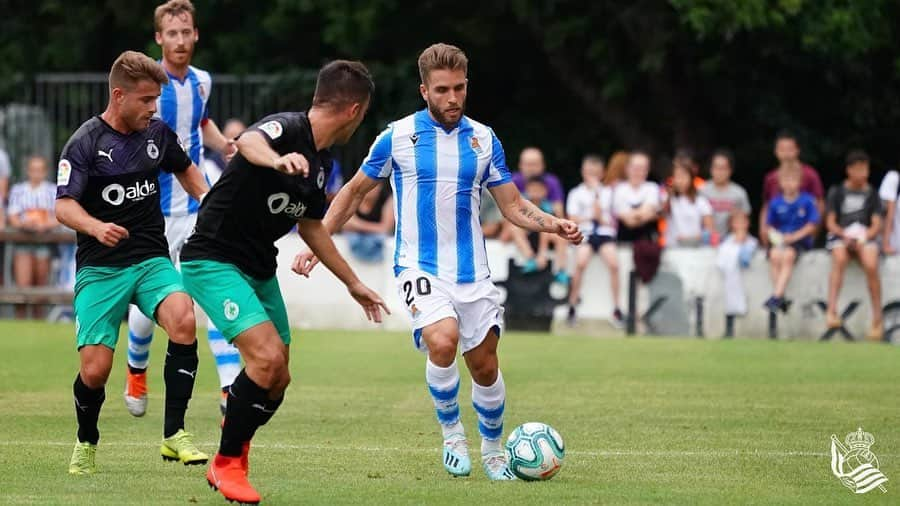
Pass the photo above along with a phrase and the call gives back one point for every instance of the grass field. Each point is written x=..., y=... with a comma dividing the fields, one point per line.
x=673, y=421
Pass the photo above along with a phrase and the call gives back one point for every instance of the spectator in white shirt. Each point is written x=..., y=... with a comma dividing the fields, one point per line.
x=889, y=192
x=690, y=221
x=31, y=210
x=590, y=205
x=636, y=201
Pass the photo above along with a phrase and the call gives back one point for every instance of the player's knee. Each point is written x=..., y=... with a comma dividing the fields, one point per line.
x=442, y=350
x=484, y=372
x=94, y=375
x=271, y=367
x=184, y=325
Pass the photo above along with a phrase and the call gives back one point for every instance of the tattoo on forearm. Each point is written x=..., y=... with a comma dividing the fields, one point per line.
x=532, y=216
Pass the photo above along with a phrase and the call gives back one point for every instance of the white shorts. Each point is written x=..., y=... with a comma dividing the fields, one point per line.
x=178, y=229
x=475, y=306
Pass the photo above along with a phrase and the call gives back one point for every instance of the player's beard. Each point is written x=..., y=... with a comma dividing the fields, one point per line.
x=442, y=118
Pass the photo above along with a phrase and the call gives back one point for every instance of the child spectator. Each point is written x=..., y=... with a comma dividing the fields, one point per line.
x=791, y=222
x=787, y=151
x=889, y=191
x=853, y=219
x=535, y=246
x=636, y=206
x=733, y=256
x=590, y=205
x=614, y=172
x=367, y=229
x=723, y=194
x=690, y=222
x=31, y=210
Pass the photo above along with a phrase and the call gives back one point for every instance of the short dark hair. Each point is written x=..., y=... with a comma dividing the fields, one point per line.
x=593, y=158
x=343, y=82
x=785, y=134
x=724, y=153
x=857, y=156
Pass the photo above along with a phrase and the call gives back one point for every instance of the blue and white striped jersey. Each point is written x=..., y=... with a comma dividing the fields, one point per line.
x=183, y=107
x=437, y=176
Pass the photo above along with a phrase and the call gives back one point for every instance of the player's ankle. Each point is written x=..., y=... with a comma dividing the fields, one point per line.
x=453, y=430
x=491, y=447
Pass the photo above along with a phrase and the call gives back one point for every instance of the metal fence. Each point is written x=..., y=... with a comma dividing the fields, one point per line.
x=51, y=106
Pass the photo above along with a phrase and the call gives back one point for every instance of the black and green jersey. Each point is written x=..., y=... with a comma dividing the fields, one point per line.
x=115, y=178
x=251, y=207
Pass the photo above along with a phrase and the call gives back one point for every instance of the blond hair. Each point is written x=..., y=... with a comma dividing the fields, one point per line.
x=615, y=168
x=441, y=56
x=131, y=67
x=174, y=8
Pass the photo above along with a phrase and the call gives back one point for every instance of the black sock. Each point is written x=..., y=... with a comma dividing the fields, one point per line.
x=729, y=325
x=248, y=407
x=180, y=372
x=135, y=370
x=87, y=409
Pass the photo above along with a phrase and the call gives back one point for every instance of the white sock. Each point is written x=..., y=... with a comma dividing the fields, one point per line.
x=443, y=385
x=489, y=404
x=140, y=335
x=228, y=358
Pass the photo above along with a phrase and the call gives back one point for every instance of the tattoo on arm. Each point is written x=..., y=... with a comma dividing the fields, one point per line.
x=532, y=216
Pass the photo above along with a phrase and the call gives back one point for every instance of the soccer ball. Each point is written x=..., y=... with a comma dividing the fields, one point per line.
x=535, y=451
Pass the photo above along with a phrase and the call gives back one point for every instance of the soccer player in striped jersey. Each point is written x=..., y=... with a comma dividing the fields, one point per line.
x=437, y=161
x=183, y=107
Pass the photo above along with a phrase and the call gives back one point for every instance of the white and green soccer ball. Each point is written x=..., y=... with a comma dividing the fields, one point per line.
x=535, y=451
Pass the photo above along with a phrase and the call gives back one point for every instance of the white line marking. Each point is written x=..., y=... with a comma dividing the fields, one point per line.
x=436, y=449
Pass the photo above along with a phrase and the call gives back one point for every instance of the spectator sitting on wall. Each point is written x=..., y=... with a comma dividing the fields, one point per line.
x=367, y=230
x=791, y=221
x=787, y=150
x=690, y=220
x=636, y=205
x=590, y=205
x=733, y=256
x=614, y=172
x=853, y=219
x=685, y=158
x=535, y=246
x=531, y=165
x=213, y=162
x=5, y=171
x=724, y=195
x=889, y=192
x=490, y=216
x=31, y=209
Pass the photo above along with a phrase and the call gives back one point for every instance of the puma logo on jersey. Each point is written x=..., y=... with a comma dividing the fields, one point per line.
x=281, y=203
x=100, y=152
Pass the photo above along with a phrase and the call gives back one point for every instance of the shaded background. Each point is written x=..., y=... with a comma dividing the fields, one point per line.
x=568, y=76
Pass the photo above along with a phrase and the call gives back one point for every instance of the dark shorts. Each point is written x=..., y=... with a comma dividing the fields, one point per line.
x=597, y=241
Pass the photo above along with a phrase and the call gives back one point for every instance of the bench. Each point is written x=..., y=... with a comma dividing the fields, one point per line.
x=11, y=294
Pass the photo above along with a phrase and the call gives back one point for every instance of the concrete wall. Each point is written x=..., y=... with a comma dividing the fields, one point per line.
x=323, y=302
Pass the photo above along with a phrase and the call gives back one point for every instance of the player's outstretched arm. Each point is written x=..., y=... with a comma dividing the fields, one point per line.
x=193, y=182
x=342, y=208
x=254, y=147
x=319, y=241
x=70, y=213
x=522, y=213
x=214, y=138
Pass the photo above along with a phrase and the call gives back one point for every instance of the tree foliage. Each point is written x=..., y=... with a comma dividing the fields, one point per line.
x=567, y=75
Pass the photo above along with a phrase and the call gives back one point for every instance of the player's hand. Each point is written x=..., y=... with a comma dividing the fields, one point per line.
x=292, y=164
x=304, y=262
x=369, y=300
x=230, y=150
x=109, y=234
x=569, y=231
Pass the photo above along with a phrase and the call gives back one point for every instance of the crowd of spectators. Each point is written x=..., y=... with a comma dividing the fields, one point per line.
x=616, y=202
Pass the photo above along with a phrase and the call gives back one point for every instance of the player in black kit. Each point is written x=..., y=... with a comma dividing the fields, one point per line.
x=108, y=191
x=276, y=181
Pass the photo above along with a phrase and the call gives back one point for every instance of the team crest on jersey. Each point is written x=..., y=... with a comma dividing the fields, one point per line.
x=272, y=128
x=152, y=150
x=64, y=172
x=320, y=179
x=475, y=146
x=201, y=91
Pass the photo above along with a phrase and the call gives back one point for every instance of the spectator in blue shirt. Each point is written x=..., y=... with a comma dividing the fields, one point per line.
x=791, y=222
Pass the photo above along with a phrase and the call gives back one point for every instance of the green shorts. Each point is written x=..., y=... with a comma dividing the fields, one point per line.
x=233, y=300
x=102, y=296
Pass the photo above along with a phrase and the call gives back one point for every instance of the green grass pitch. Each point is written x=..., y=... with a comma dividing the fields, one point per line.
x=646, y=421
